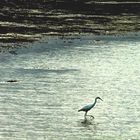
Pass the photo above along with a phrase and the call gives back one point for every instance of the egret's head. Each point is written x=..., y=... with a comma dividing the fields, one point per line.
x=98, y=98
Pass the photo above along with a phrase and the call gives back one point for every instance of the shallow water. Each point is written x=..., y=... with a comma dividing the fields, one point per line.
x=57, y=76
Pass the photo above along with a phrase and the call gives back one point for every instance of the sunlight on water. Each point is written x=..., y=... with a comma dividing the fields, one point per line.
x=57, y=76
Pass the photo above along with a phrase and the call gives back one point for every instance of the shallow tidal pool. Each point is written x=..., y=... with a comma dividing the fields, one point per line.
x=57, y=76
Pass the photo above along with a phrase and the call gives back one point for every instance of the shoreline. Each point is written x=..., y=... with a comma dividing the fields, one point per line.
x=21, y=22
x=10, y=47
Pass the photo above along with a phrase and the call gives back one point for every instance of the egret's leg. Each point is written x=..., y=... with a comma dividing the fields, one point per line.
x=85, y=115
x=85, y=119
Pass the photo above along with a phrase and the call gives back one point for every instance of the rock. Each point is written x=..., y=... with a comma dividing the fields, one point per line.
x=12, y=81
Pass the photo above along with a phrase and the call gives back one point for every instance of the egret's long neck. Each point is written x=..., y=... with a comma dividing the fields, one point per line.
x=94, y=103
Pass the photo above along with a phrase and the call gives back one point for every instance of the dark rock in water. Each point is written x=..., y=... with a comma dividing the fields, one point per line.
x=13, y=52
x=12, y=81
x=97, y=40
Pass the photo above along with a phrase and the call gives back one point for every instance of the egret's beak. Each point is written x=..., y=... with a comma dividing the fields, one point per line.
x=101, y=99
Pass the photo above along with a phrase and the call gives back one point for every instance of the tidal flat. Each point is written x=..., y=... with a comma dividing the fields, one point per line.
x=28, y=21
x=57, y=56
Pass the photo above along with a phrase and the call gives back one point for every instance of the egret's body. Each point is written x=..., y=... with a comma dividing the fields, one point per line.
x=89, y=107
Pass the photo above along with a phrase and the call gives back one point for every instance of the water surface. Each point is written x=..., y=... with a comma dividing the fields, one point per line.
x=57, y=76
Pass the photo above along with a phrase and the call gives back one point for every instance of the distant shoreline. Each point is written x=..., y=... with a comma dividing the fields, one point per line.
x=28, y=22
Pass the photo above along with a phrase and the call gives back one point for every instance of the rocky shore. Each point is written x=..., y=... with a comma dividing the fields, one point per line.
x=27, y=21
